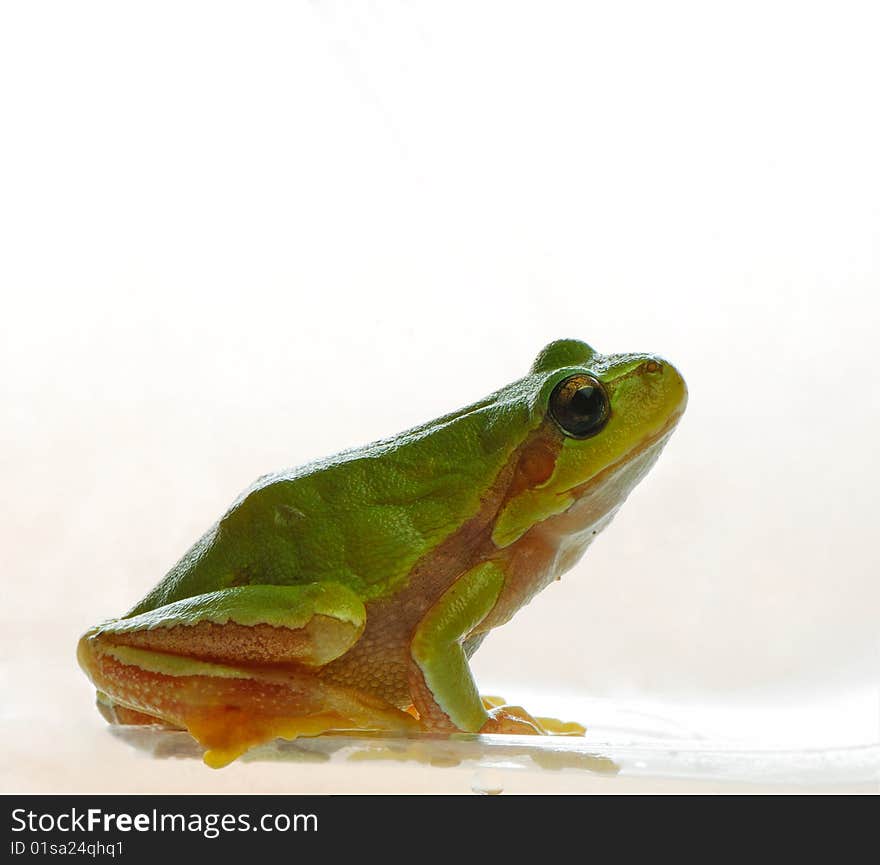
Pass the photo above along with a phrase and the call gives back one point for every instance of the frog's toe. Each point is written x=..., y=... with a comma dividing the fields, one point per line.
x=516, y=720
x=555, y=727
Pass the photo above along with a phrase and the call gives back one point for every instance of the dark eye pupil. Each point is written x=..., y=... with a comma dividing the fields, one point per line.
x=586, y=402
x=580, y=406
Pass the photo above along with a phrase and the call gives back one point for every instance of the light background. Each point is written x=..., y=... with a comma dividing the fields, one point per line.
x=240, y=236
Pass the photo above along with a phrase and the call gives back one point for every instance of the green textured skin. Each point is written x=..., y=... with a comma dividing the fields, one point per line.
x=364, y=517
x=280, y=606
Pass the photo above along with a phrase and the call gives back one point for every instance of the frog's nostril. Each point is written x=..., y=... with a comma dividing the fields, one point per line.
x=653, y=366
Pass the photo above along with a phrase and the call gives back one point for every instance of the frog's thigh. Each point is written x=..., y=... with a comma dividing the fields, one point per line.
x=235, y=667
x=310, y=624
x=441, y=684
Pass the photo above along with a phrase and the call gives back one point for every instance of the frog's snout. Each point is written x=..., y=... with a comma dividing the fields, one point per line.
x=670, y=383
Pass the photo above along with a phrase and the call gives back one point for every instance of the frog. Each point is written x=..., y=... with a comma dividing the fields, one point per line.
x=350, y=594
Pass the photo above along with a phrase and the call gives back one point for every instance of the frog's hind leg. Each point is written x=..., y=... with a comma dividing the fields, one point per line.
x=237, y=667
x=229, y=710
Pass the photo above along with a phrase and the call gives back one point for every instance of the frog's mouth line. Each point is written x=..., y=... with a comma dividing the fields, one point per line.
x=646, y=444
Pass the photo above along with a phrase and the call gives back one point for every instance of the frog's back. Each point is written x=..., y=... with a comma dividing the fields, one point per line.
x=361, y=518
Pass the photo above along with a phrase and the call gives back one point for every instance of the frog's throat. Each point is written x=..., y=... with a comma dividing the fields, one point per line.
x=553, y=545
x=654, y=441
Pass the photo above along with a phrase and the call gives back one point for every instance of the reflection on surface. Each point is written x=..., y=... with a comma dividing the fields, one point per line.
x=497, y=755
x=491, y=752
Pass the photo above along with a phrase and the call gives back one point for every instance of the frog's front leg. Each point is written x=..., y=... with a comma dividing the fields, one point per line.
x=236, y=667
x=441, y=684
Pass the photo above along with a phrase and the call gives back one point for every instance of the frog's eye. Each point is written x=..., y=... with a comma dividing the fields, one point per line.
x=580, y=406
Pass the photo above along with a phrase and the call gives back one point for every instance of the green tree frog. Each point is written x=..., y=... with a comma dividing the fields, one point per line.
x=350, y=593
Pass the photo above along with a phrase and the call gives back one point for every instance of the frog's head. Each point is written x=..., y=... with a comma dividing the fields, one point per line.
x=600, y=421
